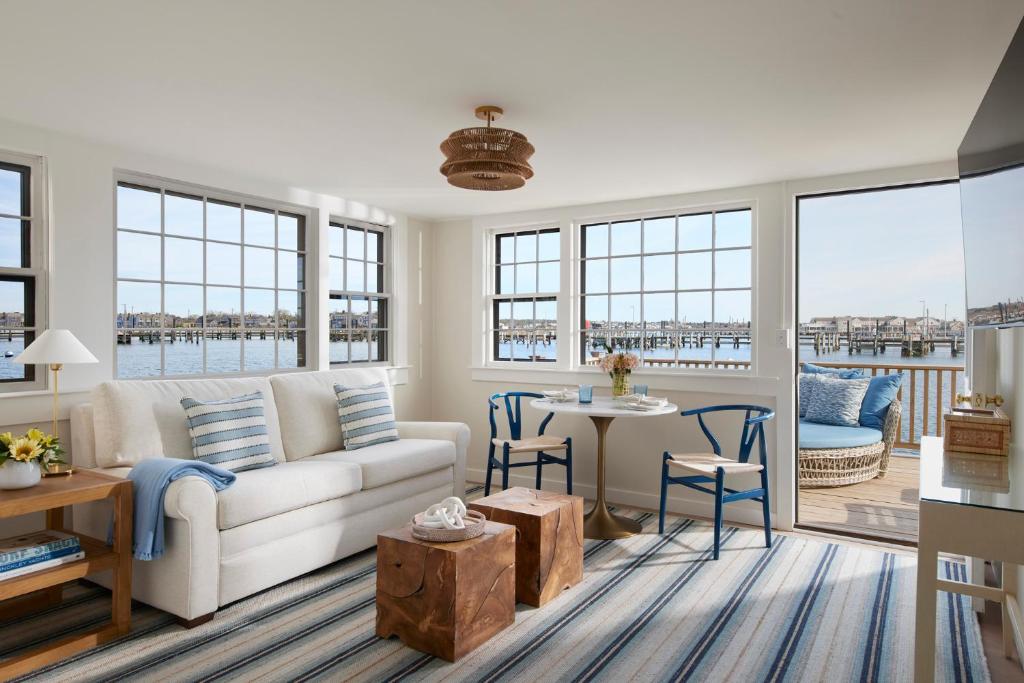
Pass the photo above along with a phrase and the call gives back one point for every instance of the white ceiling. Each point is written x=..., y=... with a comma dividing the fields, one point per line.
x=621, y=99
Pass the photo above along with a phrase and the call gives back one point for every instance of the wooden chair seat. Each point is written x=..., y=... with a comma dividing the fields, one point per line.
x=531, y=444
x=708, y=464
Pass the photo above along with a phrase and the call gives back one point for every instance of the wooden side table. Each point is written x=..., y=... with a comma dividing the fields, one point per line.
x=25, y=594
x=446, y=599
x=549, y=547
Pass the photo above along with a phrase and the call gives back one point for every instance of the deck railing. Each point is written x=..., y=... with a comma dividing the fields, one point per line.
x=926, y=391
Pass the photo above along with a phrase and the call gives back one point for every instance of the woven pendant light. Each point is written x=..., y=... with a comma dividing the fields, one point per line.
x=487, y=158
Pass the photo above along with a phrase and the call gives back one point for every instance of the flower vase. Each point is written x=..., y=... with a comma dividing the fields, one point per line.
x=15, y=474
x=620, y=384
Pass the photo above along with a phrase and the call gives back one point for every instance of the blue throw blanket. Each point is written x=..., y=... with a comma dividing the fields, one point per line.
x=150, y=479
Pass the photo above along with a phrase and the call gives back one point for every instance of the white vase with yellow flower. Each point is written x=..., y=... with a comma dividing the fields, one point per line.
x=23, y=458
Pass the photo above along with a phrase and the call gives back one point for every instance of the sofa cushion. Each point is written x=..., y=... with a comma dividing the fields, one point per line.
x=230, y=433
x=143, y=419
x=841, y=373
x=392, y=461
x=365, y=415
x=805, y=389
x=261, y=493
x=881, y=392
x=308, y=407
x=837, y=401
x=817, y=436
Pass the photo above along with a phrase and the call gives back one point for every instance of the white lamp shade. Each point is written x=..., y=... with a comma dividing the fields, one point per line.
x=55, y=346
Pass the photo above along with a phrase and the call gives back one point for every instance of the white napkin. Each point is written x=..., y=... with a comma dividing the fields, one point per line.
x=448, y=514
x=564, y=394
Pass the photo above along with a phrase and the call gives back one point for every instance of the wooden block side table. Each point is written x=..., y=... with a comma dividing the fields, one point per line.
x=445, y=599
x=549, y=544
x=25, y=594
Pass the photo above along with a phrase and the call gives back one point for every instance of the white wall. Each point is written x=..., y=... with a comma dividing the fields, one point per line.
x=81, y=182
x=635, y=445
x=462, y=385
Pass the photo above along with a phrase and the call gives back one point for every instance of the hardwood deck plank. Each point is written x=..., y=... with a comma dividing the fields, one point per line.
x=883, y=507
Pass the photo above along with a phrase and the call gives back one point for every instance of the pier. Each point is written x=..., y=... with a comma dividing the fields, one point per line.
x=915, y=341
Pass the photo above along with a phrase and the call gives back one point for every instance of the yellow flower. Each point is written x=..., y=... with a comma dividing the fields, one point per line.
x=6, y=438
x=25, y=450
x=35, y=435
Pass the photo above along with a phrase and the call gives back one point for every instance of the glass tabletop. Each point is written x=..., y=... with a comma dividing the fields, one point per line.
x=969, y=478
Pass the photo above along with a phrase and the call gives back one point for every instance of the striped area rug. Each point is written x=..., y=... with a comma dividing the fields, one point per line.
x=650, y=608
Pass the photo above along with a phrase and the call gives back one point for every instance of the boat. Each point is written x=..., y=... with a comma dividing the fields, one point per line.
x=8, y=354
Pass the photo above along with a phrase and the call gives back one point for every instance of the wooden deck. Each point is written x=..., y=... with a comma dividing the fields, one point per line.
x=885, y=508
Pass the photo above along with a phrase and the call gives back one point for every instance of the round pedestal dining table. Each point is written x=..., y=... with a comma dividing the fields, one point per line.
x=600, y=522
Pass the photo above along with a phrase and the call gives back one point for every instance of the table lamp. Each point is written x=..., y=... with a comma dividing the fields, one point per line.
x=55, y=348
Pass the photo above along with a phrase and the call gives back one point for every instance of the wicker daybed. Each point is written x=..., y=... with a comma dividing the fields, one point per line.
x=822, y=467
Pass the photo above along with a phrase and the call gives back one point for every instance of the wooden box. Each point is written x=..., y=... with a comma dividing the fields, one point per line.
x=973, y=430
x=445, y=599
x=549, y=547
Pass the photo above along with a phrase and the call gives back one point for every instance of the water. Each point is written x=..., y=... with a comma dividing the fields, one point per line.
x=8, y=368
x=224, y=356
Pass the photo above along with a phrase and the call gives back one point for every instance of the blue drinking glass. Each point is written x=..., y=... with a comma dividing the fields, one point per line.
x=640, y=389
x=586, y=393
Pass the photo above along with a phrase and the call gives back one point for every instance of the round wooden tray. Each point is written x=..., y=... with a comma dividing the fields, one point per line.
x=474, y=520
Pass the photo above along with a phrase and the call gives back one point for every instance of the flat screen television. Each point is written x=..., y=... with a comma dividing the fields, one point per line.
x=991, y=165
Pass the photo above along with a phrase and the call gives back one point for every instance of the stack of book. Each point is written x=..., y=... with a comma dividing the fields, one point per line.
x=33, y=552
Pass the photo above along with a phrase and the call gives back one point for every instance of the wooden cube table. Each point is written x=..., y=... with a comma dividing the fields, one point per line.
x=446, y=599
x=549, y=550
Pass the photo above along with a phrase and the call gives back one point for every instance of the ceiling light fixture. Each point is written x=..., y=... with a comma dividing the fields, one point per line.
x=487, y=158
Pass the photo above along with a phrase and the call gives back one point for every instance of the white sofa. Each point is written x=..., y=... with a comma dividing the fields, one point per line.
x=320, y=503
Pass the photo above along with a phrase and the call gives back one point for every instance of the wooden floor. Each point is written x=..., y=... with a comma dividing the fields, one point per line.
x=886, y=508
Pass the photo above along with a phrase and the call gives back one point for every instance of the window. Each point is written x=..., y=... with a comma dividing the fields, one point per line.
x=524, y=306
x=358, y=305
x=22, y=273
x=675, y=290
x=207, y=285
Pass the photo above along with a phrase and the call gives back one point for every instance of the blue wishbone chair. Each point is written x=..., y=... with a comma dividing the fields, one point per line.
x=542, y=444
x=712, y=468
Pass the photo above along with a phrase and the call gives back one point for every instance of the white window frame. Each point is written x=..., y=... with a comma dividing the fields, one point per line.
x=165, y=185
x=39, y=261
x=578, y=332
x=387, y=293
x=492, y=296
x=568, y=369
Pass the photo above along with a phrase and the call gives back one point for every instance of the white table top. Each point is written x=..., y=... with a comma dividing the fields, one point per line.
x=603, y=406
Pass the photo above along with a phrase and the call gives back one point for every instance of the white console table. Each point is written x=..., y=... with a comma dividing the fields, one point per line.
x=964, y=510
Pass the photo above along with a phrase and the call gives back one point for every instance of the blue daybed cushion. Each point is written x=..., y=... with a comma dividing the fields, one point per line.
x=881, y=391
x=814, y=435
x=812, y=369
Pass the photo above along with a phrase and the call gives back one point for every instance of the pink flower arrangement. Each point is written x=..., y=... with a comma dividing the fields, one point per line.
x=618, y=363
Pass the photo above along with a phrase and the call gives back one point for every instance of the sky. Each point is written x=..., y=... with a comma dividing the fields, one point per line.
x=873, y=253
x=882, y=253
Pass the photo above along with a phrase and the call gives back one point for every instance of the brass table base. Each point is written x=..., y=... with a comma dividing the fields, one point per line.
x=600, y=523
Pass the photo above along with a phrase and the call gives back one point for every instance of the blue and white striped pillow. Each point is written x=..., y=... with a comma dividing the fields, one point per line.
x=365, y=415
x=229, y=433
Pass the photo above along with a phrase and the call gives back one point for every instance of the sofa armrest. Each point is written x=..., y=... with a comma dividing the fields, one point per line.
x=456, y=432
x=186, y=580
x=191, y=499
x=890, y=430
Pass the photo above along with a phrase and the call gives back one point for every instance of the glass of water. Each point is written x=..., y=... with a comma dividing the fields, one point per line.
x=586, y=393
x=640, y=389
